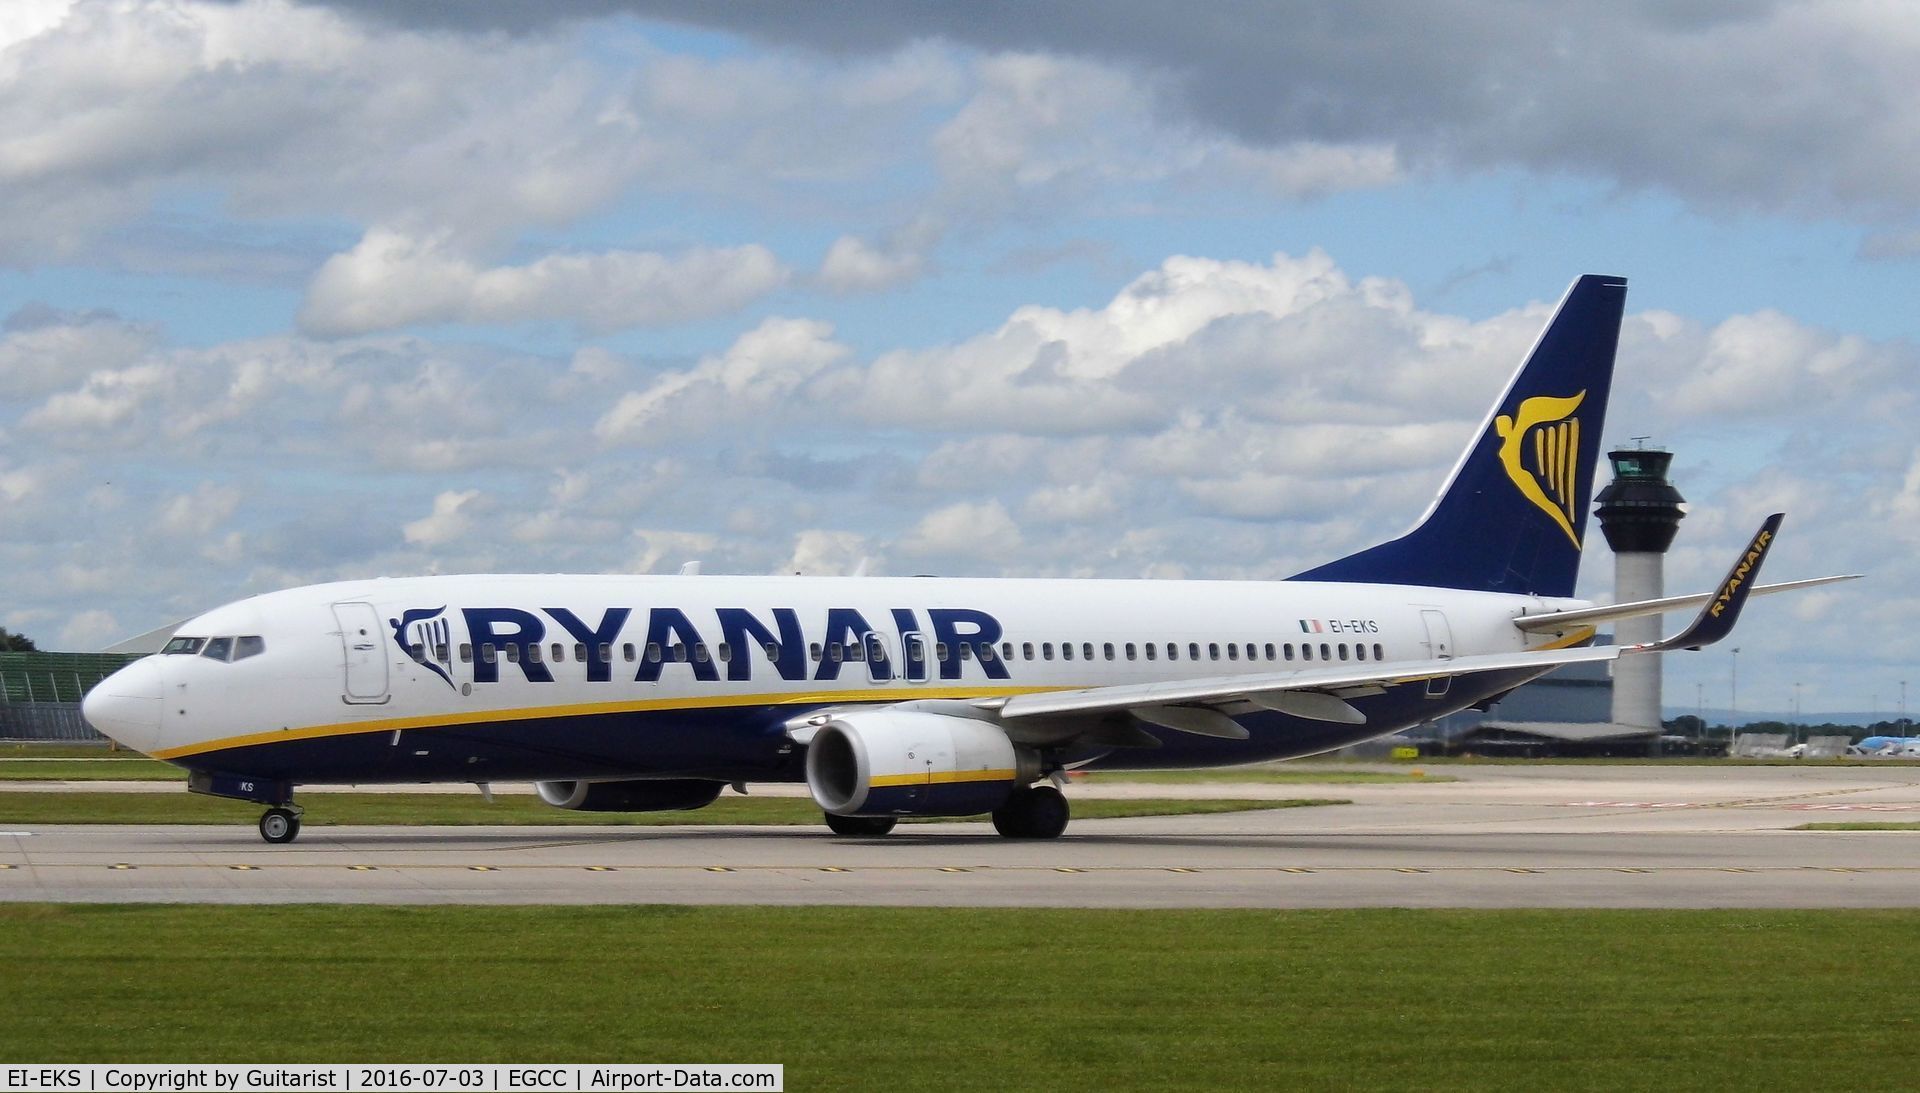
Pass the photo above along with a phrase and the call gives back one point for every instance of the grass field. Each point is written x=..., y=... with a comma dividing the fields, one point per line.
x=443, y=808
x=908, y=999
x=1863, y=825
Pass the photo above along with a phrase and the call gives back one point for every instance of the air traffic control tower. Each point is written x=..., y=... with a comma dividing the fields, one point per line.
x=1640, y=512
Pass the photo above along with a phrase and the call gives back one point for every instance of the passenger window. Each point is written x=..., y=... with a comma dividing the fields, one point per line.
x=580, y=652
x=773, y=651
x=940, y=650
x=533, y=654
x=1006, y=650
x=1066, y=650
x=1193, y=651
x=1233, y=651
x=1152, y=649
x=916, y=651
x=513, y=653
x=856, y=652
x=1377, y=654
x=218, y=648
x=1306, y=652
x=1325, y=652
x=1270, y=655
x=1359, y=652
x=724, y=652
x=700, y=652
x=466, y=652
x=1026, y=650
x=1173, y=651
x=813, y=650
x=1130, y=651
x=560, y=654
x=627, y=651
x=1343, y=650
x=986, y=652
x=966, y=650
x=1288, y=650
x=489, y=654
x=836, y=652
x=1086, y=650
x=653, y=652
x=1046, y=650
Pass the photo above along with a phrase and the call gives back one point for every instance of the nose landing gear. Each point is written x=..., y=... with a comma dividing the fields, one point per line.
x=280, y=824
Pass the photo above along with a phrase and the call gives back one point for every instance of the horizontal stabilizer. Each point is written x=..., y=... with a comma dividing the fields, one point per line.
x=1587, y=616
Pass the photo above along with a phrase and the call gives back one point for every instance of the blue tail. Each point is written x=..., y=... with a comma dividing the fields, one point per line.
x=1513, y=515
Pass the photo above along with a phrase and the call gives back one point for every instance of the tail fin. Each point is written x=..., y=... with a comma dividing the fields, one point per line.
x=1512, y=515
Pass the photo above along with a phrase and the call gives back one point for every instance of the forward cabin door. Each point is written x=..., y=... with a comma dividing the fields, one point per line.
x=1439, y=647
x=366, y=660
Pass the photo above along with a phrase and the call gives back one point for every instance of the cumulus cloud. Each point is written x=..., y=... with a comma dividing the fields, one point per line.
x=973, y=531
x=853, y=264
x=451, y=518
x=765, y=367
x=392, y=280
x=1785, y=106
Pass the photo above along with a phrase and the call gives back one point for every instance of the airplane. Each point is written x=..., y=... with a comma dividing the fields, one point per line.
x=917, y=696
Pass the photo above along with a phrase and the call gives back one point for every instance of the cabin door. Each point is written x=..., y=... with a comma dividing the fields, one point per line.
x=365, y=652
x=1439, y=647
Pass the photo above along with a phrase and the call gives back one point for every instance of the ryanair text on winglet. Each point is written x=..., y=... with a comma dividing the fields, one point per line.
x=1755, y=551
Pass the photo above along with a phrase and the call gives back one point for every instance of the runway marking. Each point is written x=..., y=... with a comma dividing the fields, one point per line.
x=1734, y=869
x=122, y=865
x=719, y=869
x=482, y=868
x=243, y=868
x=954, y=869
x=590, y=868
x=1523, y=870
x=9, y=867
x=1633, y=870
x=1111, y=870
x=1067, y=869
x=1408, y=869
x=362, y=868
x=1180, y=869
x=835, y=869
x=1295, y=869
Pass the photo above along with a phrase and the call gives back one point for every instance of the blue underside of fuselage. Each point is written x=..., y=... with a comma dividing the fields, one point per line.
x=750, y=744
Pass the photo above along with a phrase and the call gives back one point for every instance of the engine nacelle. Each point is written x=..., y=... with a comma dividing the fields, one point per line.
x=640, y=795
x=909, y=763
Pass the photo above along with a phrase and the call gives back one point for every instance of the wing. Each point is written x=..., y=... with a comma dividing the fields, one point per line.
x=1321, y=693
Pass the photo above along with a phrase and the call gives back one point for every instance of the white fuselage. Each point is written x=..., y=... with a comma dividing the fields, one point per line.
x=481, y=677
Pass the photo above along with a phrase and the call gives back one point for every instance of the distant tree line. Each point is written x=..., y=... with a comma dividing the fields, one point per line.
x=1690, y=725
x=15, y=643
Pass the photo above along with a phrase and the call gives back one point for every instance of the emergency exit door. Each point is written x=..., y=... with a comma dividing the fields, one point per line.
x=365, y=653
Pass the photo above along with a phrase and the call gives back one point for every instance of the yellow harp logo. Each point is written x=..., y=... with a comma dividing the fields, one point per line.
x=1540, y=448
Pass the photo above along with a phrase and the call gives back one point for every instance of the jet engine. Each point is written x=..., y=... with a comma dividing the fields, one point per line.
x=640, y=795
x=912, y=763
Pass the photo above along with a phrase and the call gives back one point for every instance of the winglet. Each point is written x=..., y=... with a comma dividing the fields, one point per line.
x=1716, y=619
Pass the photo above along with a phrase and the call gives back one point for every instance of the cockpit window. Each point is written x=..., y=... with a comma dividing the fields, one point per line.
x=250, y=645
x=218, y=648
x=184, y=645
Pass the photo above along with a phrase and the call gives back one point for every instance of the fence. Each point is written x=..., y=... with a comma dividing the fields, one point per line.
x=59, y=721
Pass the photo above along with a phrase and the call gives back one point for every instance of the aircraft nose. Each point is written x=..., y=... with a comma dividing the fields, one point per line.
x=126, y=705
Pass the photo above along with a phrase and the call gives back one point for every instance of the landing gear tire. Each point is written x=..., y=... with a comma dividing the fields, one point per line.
x=860, y=825
x=1036, y=812
x=280, y=825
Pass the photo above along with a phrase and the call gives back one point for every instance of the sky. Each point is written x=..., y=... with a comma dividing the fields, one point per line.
x=303, y=291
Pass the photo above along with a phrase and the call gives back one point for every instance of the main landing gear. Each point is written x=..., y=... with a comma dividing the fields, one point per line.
x=280, y=824
x=1033, y=812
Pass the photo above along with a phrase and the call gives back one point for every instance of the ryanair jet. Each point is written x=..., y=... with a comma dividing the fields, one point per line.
x=917, y=696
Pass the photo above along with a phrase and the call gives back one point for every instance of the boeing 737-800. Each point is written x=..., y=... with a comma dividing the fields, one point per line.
x=915, y=696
